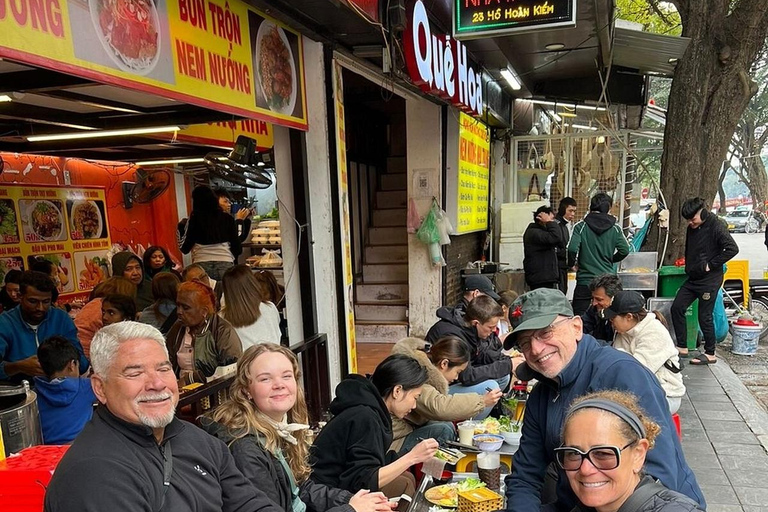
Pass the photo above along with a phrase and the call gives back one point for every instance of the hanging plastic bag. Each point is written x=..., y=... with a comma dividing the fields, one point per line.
x=428, y=233
x=436, y=255
x=443, y=224
x=414, y=221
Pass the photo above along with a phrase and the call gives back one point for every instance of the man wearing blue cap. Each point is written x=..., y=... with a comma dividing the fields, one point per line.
x=569, y=363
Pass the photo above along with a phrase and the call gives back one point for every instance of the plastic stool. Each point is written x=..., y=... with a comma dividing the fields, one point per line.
x=738, y=270
x=678, y=427
x=468, y=463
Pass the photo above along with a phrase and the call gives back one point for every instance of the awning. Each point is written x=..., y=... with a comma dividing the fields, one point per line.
x=647, y=52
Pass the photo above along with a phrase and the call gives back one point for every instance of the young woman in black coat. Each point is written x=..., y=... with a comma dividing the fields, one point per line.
x=264, y=423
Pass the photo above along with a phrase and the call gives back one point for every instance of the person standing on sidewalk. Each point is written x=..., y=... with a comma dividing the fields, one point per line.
x=542, y=242
x=708, y=245
x=597, y=244
x=566, y=214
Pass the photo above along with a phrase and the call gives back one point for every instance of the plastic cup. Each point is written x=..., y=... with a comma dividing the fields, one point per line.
x=489, y=469
x=466, y=432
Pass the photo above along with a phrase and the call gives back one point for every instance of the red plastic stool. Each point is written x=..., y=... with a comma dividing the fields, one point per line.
x=678, y=427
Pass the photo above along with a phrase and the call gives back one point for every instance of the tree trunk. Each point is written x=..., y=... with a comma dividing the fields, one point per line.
x=710, y=91
x=721, y=191
x=757, y=181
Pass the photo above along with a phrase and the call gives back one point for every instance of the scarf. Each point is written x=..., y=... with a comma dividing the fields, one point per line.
x=285, y=429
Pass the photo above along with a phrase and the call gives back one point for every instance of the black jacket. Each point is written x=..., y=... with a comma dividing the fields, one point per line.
x=488, y=361
x=115, y=465
x=354, y=445
x=265, y=472
x=664, y=500
x=6, y=302
x=216, y=228
x=565, y=236
x=597, y=326
x=709, y=244
x=541, y=246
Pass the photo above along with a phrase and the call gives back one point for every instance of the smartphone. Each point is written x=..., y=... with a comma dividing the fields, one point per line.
x=403, y=502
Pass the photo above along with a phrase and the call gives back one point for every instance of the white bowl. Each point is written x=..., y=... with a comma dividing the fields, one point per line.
x=512, y=438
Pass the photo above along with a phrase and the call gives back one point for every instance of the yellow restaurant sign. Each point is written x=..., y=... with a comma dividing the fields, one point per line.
x=225, y=134
x=218, y=54
x=474, y=157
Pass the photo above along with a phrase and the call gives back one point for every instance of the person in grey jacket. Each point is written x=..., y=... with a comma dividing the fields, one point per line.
x=264, y=423
x=605, y=439
x=134, y=455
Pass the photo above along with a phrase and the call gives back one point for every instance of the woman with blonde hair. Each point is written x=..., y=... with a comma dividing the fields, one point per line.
x=606, y=437
x=255, y=320
x=89, y=319
x=200, y=341
x=264, y=423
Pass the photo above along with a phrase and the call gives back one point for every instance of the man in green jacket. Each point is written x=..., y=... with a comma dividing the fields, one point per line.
x=597, y=244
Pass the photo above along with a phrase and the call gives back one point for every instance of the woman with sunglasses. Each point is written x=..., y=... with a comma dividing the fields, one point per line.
x=606, y=437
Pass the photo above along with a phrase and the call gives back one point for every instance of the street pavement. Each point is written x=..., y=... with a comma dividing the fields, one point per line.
x=752, y=248
x=725, y=435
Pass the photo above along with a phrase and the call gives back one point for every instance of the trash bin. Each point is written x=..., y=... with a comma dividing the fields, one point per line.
x=671, y=278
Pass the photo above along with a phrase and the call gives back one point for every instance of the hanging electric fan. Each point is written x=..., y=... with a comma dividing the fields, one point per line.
x=242, y=166
x=149, y=186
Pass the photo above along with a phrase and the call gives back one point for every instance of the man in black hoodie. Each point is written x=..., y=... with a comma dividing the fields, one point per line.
x=542, y=241
x=708, y=245
x=596, y=245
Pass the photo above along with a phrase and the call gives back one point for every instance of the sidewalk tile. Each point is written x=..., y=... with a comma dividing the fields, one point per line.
x=712, y=477
x=753, y=462
x=720, y=494
x=717, y=406
x=751, y=478
x=742, y=450
x=736, y=438
x=752, y=496
x=698, y=447
x=719, y=397
x=750, y=508
x=702, y=461
x=725, y=427
x=724, y=508
x=719, y=415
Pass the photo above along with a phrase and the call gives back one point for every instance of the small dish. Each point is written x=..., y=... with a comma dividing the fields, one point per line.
x=488, y=442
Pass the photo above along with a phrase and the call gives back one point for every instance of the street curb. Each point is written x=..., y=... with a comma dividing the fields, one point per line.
x=754, y=415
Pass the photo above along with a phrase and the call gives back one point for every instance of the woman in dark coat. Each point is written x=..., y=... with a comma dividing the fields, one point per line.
x=264, y=423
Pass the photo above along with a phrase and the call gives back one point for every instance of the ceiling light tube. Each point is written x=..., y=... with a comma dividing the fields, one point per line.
x=566, y=105
x=104, y=133
x=5, y=98
x=171, y=161
x=584, y=127
x=511, y=78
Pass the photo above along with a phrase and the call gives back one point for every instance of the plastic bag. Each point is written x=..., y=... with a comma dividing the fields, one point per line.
x=271, y=259
x=428, y=233
x=443, y=225
x=414, y=221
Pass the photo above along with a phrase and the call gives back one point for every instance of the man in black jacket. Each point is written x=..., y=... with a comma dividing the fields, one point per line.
x=604, y=288
x=134, y=455
x=708, y=245
x=542, y=242
x=566, y=214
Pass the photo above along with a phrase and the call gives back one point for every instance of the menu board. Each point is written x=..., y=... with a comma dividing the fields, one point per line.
x=473, y=179
x=66, y=226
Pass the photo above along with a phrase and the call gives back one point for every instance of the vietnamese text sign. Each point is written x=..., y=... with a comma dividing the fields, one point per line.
x=483, y=18
x=218, y=54
x=224, y=134
x=67, y=226
x=473, y=181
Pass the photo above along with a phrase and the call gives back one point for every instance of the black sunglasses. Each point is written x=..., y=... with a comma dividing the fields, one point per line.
x=601, y=457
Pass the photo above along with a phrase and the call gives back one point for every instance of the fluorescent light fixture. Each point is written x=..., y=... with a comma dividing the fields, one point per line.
x=557, y=117
x=171, y=161
x=566, y=105
x=553, y=47
x=5, y=98
x=584, y=127
x=567, y=114
x=511, y=78
x=104, y=133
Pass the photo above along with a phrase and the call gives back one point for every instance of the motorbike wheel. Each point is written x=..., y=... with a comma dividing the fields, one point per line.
x=759, y=309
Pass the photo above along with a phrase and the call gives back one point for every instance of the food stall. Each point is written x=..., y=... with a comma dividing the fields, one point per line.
x=638, y=272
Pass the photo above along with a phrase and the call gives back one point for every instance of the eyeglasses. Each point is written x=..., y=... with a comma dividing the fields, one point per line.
x=546, y=334
x=601, y=457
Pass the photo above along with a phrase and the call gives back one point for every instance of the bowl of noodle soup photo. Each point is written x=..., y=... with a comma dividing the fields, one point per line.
x=85, y=220
x=275, y=68
x=44, y=220
x=129, y=31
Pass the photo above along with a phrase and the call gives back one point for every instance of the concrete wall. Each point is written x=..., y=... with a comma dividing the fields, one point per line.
x=424, y=158
x=321, y=215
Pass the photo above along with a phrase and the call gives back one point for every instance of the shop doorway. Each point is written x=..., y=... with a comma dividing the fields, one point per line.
x=376, y=155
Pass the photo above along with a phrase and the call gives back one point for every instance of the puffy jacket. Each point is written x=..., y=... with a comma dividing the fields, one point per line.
x=434, y=403
x=352, y=448
x=488, y=360
x=228, y=345
x=65, y=407
x=565, y=235
x=663, y=500
x=709, y=244
x=593, y=368
x=596, y=244
x=19, y=341
x=266, y=473
x=650, y=343
x=144, y=295
x=541, y=244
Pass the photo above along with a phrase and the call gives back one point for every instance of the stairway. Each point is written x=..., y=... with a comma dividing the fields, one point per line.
x=381, y=295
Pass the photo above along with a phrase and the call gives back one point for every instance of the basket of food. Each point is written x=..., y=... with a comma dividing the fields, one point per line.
x=481, y=499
